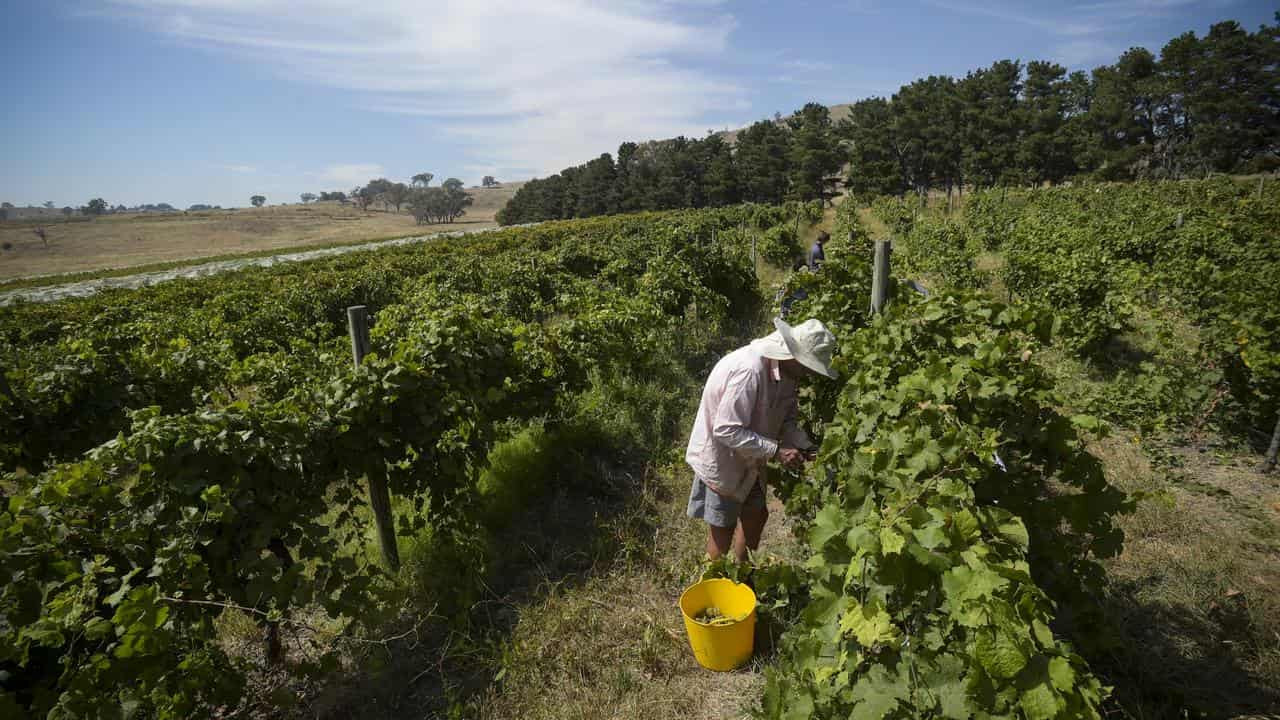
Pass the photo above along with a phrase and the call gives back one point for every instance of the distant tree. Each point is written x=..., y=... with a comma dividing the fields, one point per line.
x=1219, y=100
x=926, y=119
x=456, y=199
x=48, y=204
x=307, y=197
x=1123, y=115
x=119, y=209
x=719, y=174
x=762, y=164
x=540, y=199
x=422, y=179
x=379, y=190
x=488, y=182
x=336, y=195
x=592, y=188
x=428, y=205
x=258, y=200
x=991, y=119
x=1045, y=151
x=874, y=150
x=96, y=206
x=200, y=206
x=6, y=205
x=358, y=196
x=68, y=211
x=396, y=194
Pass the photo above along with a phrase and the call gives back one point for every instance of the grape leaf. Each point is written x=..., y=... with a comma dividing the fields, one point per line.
x=891, y=541
x=999, y=654
x=869, y=624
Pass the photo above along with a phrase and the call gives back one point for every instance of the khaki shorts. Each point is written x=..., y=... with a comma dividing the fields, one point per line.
x=718, y=510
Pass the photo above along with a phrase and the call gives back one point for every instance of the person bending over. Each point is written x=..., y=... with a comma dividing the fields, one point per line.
x=747, y=417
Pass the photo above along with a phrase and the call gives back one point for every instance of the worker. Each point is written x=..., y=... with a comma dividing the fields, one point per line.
x=816, y=255
x=785, y=300
x=747, y=417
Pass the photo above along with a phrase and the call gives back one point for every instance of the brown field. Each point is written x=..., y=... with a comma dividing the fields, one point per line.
x=132, y=240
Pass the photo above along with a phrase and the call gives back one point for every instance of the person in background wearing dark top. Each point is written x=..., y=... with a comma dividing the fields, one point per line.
x=816, y=256
x=786, y=301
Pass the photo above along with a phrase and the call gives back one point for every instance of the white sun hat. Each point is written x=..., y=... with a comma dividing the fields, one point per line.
x=809, y=342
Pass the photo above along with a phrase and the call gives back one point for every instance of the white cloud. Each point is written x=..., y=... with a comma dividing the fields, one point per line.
x=348, y=176
x=999, y=11
x=527, y=87
x=1086, y=53
x=808, y=65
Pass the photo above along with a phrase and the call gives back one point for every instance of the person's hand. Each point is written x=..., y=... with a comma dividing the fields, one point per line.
x=790, y=457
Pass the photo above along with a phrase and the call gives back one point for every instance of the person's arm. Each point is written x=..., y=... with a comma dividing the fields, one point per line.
x=730, y=426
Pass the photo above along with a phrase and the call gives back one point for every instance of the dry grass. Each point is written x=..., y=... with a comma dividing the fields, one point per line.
x=116, y=241
x=614, y=646
x=1193, y=595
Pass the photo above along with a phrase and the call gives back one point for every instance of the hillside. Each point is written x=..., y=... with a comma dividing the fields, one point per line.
x=134, y=240
x=838, y=113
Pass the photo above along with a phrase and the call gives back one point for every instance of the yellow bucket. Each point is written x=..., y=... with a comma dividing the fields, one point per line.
x=721, y=646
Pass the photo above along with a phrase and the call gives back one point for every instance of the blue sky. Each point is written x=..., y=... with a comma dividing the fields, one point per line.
x=187, y=101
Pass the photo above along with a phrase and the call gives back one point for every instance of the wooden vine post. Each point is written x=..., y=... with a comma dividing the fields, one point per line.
x=1269, y=462
x=880, y=276
x=379, y=497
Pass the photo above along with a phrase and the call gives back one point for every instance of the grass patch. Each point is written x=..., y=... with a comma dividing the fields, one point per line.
x=74, y=277
x=1195, y=619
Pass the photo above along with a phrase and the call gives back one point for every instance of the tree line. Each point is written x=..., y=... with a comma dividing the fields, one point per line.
x=1203, y=105
x=770, y=162
x=442, y=204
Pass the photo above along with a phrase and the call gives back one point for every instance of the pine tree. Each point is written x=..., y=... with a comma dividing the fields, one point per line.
x=813, y=152
x=762, y=160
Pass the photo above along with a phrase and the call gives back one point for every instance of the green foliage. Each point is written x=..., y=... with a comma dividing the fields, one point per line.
x=1204, y=249
x=769, y=162
x=761, y=154
x=442, y=204
x=780, y=246
x=1205, y=104
x=943, y=248
x=991, y=214
x=848, y=232
x=937, y=548
x=923, y=600
x=228, y=446
x=898, y=214
x=813, y=153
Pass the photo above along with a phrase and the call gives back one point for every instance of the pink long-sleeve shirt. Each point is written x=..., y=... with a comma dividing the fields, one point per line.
x=748, y=408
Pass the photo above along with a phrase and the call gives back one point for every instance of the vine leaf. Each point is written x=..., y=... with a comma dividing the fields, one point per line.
x=999, y=654
x=869, y=624
x=891, y=541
